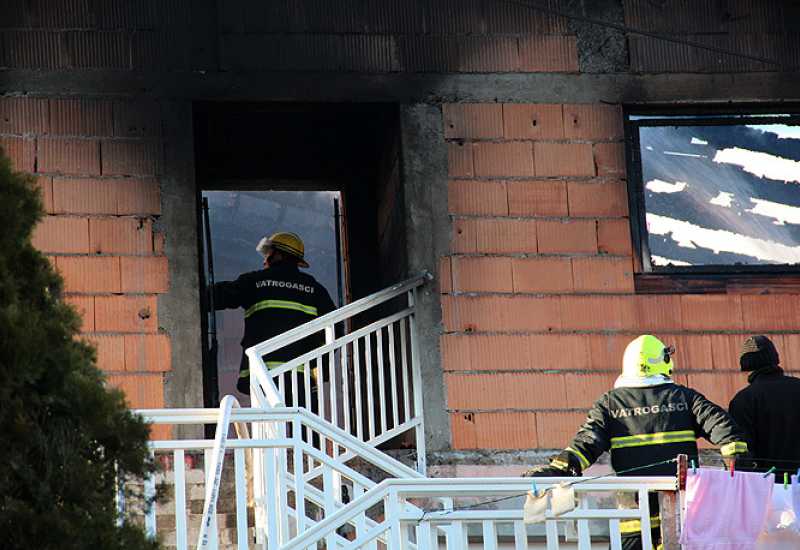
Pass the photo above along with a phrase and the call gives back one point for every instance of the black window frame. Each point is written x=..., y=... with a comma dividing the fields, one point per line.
x=707, y=114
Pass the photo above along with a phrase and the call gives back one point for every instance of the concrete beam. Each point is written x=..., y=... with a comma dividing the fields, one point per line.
x=414, y=87
x=179, y=309
x=424, y=169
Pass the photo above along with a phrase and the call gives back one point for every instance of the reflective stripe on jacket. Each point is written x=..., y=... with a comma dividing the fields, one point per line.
x=275, y=300
x=641, y=426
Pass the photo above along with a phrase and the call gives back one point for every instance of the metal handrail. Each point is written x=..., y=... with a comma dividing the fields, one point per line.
x=269, y=422
x=455, y=487
x=408, y=483
x=286, y=414
x=265, y=382
x=228, y=414
x=355, y=507
x=338, y=343
x=474, y=486
x=337, y=315
x=217, y=459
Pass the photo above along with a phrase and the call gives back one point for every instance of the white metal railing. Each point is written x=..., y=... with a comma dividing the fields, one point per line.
x=367, y=382
x=484, y=526
x=217, y=455
x=295, y=465
x=284, y=466
x=302, y=504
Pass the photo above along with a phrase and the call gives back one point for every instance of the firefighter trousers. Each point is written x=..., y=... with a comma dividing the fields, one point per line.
x=632, y=532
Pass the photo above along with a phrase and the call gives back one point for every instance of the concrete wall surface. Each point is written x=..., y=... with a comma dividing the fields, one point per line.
x=511, y=160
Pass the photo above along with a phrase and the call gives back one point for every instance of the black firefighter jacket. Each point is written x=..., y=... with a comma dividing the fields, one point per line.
x=768, y=411
x=275, y=300
x=642, y=426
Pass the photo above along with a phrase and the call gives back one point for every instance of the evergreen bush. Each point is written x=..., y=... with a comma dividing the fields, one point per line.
x=64, y=436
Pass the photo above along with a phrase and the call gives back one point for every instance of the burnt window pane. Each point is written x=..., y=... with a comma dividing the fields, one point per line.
x=718, y=191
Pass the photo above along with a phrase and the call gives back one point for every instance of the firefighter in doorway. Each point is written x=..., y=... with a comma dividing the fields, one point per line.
x=275, y=299
x=644, y=420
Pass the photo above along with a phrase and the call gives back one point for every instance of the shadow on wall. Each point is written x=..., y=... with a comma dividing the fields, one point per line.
x=222, y=39
x=357, y=36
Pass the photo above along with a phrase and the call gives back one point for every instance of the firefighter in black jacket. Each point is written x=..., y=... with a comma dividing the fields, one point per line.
x=767, y=410
x=276, y=299
x=646, y=419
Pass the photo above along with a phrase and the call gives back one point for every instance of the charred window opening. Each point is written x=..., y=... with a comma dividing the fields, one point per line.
x=715, y=192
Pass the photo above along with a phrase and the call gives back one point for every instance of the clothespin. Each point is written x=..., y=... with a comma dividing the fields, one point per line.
x=733, y=464
x=683, y=463
x=769, y=471
x=785, y=480
x=694, y=468
x=535, y=489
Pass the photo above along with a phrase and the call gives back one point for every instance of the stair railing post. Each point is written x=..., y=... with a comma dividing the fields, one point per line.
x=260, y=481
x=299, y=480
x=215, y=457
x=393, y=509
x=330, y=337
x=283, y=485
x=274, y=468
x=416, y=374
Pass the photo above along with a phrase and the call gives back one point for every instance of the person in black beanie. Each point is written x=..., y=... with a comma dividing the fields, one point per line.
x=768, y=409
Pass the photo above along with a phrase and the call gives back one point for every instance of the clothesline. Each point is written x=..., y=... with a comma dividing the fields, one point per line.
x=743, y=465
x=756, y=458
x=739, y=468
x=756, y=468
x=426, y=512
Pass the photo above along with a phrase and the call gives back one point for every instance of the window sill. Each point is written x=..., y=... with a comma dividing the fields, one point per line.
x=716, y=283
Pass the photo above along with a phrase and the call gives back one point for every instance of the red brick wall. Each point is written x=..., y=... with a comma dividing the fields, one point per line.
x=98, y=162
x=538, y=299
x=537, y=289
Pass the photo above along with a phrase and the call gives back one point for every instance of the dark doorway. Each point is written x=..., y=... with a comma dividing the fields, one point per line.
x=239, y=219
x=267, y=167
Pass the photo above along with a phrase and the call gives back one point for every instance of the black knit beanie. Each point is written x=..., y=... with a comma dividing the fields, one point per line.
x=758, y=352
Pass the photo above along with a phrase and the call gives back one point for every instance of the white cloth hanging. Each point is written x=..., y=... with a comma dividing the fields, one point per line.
x=780, y=531
x=561, y=499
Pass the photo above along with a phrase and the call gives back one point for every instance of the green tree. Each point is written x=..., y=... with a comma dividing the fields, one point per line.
x=63, y=435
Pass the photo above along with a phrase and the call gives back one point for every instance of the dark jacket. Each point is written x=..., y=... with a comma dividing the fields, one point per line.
x=641, y=426
x=768, y=411
x=275, y=300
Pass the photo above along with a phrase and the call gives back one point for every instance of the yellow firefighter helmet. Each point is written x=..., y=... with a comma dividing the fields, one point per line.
x=290, y=243
x=647, y=356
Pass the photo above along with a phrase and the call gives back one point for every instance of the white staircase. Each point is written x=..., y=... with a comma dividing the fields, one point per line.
x=308, y=480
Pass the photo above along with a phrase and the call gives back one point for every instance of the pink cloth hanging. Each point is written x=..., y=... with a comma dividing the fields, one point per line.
x=724, y=512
